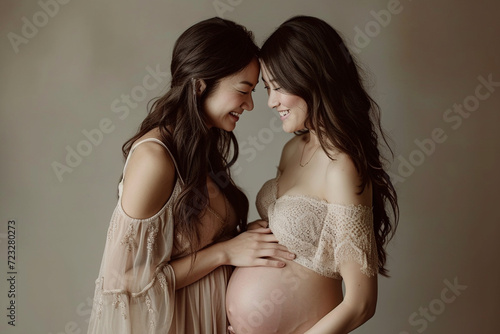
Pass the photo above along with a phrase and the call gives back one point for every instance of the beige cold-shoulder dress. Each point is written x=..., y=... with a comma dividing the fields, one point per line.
x=135, y=291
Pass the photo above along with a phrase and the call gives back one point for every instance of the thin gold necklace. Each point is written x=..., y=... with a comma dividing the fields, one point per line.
x=302, y=155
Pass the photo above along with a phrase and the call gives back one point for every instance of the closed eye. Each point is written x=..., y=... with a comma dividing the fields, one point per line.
x=245, y=93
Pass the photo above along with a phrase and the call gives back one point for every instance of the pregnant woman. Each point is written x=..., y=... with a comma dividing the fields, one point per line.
x=327, y=202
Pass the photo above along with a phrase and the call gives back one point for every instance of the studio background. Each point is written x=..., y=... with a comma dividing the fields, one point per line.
x=433, y=67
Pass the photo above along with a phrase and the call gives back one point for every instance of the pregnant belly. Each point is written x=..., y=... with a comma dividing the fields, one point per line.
x=279, y=300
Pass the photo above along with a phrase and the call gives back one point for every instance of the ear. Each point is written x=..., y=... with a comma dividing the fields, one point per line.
x=200, y=86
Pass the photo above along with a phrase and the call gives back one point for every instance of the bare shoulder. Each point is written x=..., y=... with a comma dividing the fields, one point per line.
x=344, y=182
x=289, y=150
x=148, y=180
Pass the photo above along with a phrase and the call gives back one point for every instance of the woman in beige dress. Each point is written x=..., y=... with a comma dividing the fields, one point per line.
x=327, y=203
x=174, y=233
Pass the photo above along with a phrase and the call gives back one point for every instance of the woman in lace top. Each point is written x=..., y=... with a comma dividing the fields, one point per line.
x=328, y=202
x=174, y=232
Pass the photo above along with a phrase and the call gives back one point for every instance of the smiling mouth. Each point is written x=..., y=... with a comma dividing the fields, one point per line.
x=283, y=113
x=235, y=114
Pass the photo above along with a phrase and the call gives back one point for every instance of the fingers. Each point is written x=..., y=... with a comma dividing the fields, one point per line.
x=275, y=253
x=260, y=262
x=267, y=245
x=270, y=238
x=257, y=224
x=251, y=227
x=257, y=247
x=263, y=230
x=261, y=234
x=230, y=330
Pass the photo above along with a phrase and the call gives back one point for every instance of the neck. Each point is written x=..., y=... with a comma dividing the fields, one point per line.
x=312, y=139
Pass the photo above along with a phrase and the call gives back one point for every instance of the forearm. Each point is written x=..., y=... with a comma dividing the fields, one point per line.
x=206, y=260
x=252, y=248
x=343, y=319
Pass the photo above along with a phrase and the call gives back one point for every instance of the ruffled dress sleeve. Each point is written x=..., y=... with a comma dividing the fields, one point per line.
x=135, y=289
x=348, y=236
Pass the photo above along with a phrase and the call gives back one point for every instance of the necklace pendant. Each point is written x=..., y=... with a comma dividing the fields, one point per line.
x=302, y=155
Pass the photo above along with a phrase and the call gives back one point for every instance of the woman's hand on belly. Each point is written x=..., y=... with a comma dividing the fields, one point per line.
x=255, y=248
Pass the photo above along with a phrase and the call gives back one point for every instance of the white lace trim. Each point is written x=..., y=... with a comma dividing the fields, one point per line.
x=322, y=235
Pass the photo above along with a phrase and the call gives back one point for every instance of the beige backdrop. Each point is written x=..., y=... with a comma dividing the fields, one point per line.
x=77, y=69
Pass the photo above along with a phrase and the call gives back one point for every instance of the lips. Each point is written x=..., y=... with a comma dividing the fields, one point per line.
x=235, y=115
x=283, y=113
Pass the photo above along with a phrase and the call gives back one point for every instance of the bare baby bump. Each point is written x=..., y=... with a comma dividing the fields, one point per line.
x=279, y=300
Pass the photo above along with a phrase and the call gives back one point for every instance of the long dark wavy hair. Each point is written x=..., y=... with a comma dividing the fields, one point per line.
x=209, y=50
x=308, y=58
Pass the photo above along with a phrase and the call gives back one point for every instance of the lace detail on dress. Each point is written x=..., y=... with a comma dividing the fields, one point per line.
x=112, y=230
x=128, y=239
x=354, y=238
x=152, y=232
x=98, y=300
x=151, y=312
x=321, y=234
x=118, y=302
x=162, y=280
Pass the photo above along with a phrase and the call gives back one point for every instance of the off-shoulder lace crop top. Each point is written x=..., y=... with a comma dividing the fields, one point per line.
x=322, y=235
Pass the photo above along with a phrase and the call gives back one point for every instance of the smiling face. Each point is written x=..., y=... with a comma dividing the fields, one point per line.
x=233, y=94
x=292, y=108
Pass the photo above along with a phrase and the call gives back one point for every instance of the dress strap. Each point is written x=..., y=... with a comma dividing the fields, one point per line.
x=162, y=144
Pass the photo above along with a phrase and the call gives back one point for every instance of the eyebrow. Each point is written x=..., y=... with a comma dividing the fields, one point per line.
x=270, y=80
x=248, y=83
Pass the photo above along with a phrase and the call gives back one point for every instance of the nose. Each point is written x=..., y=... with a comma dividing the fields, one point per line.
x=248, y=104
x=272, y=100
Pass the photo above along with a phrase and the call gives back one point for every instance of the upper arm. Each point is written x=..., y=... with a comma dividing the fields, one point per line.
x=148, y=182
x=344, y=183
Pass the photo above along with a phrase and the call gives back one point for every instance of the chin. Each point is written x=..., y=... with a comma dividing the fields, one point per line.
x=228, y=128
x=289, y=129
